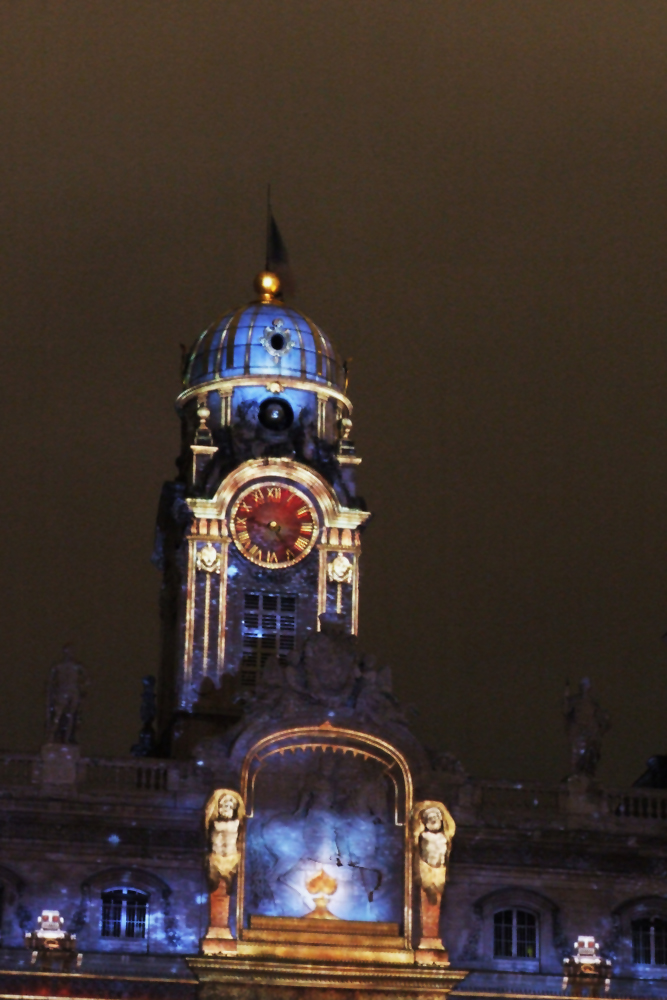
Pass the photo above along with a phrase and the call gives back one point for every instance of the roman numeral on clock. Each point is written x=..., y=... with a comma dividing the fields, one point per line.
x=301, y=544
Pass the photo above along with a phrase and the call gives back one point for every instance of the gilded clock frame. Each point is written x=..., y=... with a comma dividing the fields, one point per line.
x=266, y=484
x=211, y=523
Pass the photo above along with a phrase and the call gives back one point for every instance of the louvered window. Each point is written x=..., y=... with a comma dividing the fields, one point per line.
x=649, y=941
x=269, y=629
x=124, y=913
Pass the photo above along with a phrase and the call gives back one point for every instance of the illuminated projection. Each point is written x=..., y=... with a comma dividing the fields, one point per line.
x=274, y=525
x=320, y=811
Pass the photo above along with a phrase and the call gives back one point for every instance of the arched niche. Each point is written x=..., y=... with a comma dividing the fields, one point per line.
x=326, y=799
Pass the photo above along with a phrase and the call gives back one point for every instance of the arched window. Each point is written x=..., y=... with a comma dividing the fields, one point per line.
x=124, y=913
x=515, y=934
x=649, y=941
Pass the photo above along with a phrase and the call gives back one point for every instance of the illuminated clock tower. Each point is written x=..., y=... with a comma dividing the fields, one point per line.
x=260, y=533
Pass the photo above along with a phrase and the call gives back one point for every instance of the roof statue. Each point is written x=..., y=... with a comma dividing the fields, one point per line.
x=586, y=723
x=66, y=689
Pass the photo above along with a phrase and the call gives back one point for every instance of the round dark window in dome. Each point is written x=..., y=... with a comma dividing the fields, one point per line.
x=277, y=341
x=275, y=414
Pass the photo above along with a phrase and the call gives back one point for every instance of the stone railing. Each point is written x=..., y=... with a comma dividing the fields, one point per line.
x=640, y=803
x=61, y=766
x=100, y=774
x=473, y=801
x=571, y=803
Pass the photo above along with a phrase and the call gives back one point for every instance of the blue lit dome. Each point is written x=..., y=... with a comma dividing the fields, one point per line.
x=265, y=339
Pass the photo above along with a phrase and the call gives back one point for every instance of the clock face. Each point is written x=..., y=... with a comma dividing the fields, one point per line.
x=274, y=525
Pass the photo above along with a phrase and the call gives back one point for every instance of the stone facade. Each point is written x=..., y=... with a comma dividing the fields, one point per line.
x=581, y=858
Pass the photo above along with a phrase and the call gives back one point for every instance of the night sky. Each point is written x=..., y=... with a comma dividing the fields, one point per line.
x=474, y=199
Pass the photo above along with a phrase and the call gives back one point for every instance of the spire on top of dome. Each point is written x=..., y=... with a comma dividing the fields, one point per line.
x=277, y=258
x=266, y=339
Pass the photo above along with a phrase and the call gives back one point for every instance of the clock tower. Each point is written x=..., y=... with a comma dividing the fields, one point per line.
x=260, y=533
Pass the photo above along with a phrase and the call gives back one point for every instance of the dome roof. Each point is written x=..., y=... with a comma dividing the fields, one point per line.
x=266, y=340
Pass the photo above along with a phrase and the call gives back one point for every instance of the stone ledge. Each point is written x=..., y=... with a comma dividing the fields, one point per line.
x=239, y=979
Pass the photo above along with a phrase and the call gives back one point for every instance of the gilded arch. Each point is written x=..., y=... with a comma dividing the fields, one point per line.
x=328, y=738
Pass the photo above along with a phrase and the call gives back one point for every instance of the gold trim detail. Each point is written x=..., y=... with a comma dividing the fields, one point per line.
x=256, y=469
x=207, y=622
x=189, y=620
x=370, y=978
x=222, y=605
x=205, y=558
x=324, y=392
x=321, y=416
x=246, y=552
x=355, y=595
x=225, y=406
x=208, y=559
x=322, y=586
x=340, y=741
x=354, y=556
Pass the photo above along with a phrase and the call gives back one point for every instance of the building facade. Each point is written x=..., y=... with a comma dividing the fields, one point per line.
x=259, y=542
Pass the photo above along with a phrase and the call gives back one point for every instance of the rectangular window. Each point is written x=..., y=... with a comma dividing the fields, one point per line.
x=641, y=942
x=514, y=934
x=526, y=937
x=269, y=629
x=660, y=942
x=502, y=934
x=124, y=913
x=649, y=941
x=112, y=908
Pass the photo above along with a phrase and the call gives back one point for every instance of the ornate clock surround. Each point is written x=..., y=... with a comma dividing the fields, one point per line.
x=206, y=649
x=273, y=523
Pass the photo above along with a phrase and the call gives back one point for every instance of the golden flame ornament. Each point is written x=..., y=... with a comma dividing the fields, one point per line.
x=321, y=886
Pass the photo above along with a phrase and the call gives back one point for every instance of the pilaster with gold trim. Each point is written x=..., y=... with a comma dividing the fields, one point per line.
x=206, y=602
x=338, y=583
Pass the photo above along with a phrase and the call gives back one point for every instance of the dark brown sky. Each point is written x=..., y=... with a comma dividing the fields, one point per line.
x=474, y=198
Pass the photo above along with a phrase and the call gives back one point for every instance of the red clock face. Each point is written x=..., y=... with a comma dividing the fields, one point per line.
x=274, y=525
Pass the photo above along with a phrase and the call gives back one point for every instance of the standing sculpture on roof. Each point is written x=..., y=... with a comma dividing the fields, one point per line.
x=66, y=690
x=586, y=723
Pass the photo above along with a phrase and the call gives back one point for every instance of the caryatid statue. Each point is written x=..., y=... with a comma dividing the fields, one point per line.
x=432, y=832
x=223, y=817
x=67, y=687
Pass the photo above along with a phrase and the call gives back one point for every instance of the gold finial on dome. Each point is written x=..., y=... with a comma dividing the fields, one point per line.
x=267, y=286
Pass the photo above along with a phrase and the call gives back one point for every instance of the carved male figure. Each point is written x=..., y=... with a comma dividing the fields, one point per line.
x=223, y=817
x=432, y=832
x=586, y=723
x=67, y=686
x=433, y=844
